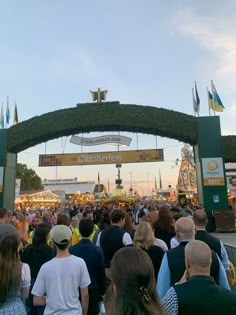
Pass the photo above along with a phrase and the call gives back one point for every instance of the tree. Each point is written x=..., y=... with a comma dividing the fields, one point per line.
x=29, y=179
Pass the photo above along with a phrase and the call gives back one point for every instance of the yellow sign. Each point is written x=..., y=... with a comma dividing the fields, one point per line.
x=113, y=157
x=217, y=181
x=213, y=172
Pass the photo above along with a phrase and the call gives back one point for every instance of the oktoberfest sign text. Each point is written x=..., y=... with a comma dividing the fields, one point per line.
x=112, y=157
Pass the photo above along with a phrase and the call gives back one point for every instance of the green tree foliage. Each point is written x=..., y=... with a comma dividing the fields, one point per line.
x=29, y=179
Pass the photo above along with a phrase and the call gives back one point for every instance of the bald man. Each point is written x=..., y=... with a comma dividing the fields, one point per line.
x=200, y=220
x=173, y=262
x=197, y=292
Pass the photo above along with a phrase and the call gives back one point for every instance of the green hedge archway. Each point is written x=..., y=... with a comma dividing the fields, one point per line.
x=109, y=116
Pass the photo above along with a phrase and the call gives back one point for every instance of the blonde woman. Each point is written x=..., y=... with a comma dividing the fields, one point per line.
x=152, y=218
x=144, y=239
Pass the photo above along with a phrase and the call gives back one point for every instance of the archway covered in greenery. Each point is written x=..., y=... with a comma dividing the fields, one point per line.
x=110, y=116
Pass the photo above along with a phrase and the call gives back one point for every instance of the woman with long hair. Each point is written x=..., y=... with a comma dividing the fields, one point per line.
x=163, y=227
x=14, y=277
x=104, y=223
x=144, y=239
x=134, y=283
x=35, y=256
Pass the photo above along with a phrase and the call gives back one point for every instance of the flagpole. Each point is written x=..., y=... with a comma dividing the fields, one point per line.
x=197, y=100
x=208, y=102
x=213, y=97
x=194, y=102
x=7, y=110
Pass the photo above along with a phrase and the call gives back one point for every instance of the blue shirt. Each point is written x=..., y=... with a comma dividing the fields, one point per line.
x=94, y=259
x=163, y=279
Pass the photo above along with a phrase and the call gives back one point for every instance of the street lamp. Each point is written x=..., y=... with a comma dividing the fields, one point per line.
x=148, y=183
x=131, y=186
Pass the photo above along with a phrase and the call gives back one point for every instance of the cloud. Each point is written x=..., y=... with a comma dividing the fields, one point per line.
x=214, y=34
x=232, y=109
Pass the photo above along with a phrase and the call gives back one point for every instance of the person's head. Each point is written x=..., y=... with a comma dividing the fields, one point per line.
x=128, y=226
x=118, y=217
x=176, y=217
x=10, y=266
x=165, y=219
x=3, y=215
x=184, y=229
x=63, y=219
x=153, y=216
x=198, y=258
x=86, y=227
x=144, y=236
x=134, y=283
x=200, y=218
x=104, y=219
x=88, y=214
x=61, y=236
x=7, y=229
x=38, y=214
x=75, y=222
x=41, y=234
x=21, y=216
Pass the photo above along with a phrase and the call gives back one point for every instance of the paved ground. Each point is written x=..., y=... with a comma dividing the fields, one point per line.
x=227, y=238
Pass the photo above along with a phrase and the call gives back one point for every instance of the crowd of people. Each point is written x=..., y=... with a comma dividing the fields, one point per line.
x=137, y=259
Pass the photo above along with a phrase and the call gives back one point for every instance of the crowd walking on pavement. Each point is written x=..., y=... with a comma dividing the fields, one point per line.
x=142, y=258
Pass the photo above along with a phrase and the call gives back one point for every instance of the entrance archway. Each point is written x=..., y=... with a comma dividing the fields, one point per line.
x=113, y=116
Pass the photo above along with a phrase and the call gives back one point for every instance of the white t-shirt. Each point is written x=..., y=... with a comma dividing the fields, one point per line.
x=60, y=279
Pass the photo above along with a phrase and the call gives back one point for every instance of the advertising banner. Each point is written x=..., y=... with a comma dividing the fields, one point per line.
x=213, y=172
x=115, y=139
x=113, y=157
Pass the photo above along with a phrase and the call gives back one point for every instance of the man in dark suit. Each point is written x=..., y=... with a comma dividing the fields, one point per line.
x=94, y=259
x=200, y=220
x=173, y=262
x=197, y=293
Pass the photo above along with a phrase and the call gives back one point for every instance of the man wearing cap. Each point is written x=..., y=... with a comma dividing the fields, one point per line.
x=61, y=280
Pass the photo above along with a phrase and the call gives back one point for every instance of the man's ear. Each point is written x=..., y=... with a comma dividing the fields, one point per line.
x=177, y=235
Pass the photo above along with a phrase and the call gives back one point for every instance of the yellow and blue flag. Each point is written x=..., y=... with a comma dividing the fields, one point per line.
x=217, y=103
x=210, y=100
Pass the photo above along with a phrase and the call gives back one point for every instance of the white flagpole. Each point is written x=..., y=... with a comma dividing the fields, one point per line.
x=213, y=97
x=7, y=111
x=197, y=108
x=194, y=102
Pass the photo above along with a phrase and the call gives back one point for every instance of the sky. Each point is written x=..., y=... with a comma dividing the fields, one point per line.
x=52, y=53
